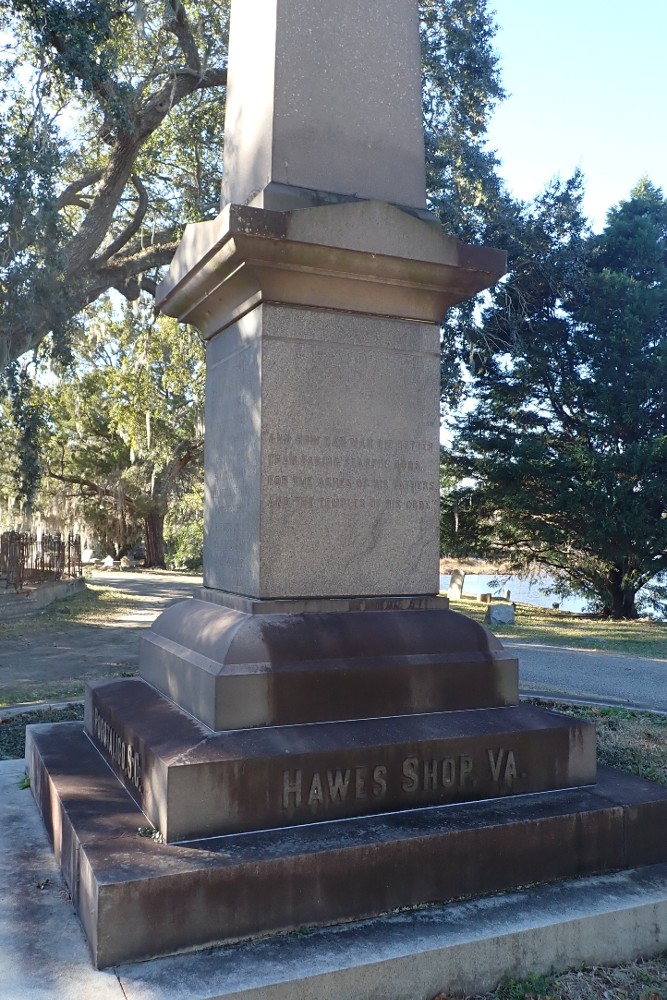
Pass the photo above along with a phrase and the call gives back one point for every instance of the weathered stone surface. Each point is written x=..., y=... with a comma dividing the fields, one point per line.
x=325, y=482
x=499, y=614
x=192, y=782
x=366, y=257
x=137, y=898
x=305, y=112
x=323, y=605
x=232, y=670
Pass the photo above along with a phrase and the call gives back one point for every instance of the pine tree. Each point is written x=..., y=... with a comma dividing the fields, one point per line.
x=567, y=444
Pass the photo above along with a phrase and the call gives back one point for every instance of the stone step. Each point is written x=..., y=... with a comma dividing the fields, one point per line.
x=193, y=782
x=233, y=670
x=138, y=899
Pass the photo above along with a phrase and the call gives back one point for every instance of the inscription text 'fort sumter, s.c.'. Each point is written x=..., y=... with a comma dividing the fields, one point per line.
x=442, y=777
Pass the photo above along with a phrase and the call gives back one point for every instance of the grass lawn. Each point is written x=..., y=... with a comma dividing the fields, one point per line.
x=643, y=637
x=96, y=605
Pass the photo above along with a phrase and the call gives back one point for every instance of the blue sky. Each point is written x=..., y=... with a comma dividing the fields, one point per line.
x=588, y=86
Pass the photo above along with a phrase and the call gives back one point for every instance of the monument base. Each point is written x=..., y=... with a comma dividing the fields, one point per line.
x=192, y=782
x=138, y=899
x=245, y=664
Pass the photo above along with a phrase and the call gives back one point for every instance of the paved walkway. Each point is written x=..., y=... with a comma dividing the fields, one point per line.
x=587, y=675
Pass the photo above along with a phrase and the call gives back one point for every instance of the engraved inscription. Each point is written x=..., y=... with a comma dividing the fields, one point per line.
x=126, y=758
x=325, y=788
x=429, y=775
x=414, y=777
x=502, y=764
x=350, y=473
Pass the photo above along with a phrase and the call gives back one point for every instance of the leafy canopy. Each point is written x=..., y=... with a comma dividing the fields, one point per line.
x=111, y=126
x=124, y=429
x=567, y=442
x=111, y=118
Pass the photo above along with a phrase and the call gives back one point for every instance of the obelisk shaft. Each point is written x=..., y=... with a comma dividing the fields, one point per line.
x=324, y=97
x=320, y=290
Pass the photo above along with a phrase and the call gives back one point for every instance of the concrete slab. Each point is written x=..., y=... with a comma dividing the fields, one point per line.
x=43, y=953
x=460, y=949
x=411, y=955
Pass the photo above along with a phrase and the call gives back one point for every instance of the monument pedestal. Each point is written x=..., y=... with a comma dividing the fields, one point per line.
x=347, y=768
x=316, y=737
x=137, y=898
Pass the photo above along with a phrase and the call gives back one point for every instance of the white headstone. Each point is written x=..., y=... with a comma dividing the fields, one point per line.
x=456, y=585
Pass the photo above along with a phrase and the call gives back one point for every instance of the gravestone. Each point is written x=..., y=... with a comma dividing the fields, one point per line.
x=456, y=582
x=499, y=614
x=315, y=736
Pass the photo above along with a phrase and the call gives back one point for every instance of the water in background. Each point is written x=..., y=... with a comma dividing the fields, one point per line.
x=522, y=591
x=530, y=592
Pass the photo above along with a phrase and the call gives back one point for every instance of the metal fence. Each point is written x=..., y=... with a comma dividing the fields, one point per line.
x=26, y=558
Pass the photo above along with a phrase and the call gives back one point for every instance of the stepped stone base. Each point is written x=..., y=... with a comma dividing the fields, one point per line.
x=192, y=782
x=235, y=669
x=137, y=898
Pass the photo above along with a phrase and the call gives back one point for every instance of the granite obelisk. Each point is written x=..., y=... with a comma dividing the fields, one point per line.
x=317, y=676
x=322, y=312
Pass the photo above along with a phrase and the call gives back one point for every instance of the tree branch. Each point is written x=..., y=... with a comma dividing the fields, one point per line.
x=179, y=26
x=133, y=227
x=70, y=193
x=121, y=273
x=91, y=488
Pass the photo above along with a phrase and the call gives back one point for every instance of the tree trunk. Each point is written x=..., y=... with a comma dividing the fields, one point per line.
x=154, y=539
x=620, y=602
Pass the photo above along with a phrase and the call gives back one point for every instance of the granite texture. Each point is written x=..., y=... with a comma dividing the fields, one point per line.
x=329, y=484
x=365, y=257
x=320, y=605
x=325, y=97
x=192, y=782
x=234, y=670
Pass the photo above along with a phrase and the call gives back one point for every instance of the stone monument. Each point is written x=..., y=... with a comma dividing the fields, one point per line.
x=315, y=736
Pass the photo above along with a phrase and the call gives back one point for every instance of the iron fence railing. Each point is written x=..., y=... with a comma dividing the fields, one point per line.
x=27, y=558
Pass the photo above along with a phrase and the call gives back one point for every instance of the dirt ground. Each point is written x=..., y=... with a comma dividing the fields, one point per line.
x=64, y=655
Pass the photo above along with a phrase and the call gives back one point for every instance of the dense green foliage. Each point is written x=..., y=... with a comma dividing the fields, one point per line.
x=566, y=445
x=111, y=120
x=124, y=430
x=461, y=88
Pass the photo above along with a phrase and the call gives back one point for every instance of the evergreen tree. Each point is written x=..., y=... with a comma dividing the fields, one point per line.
x=461, y=89
x=566, y=446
